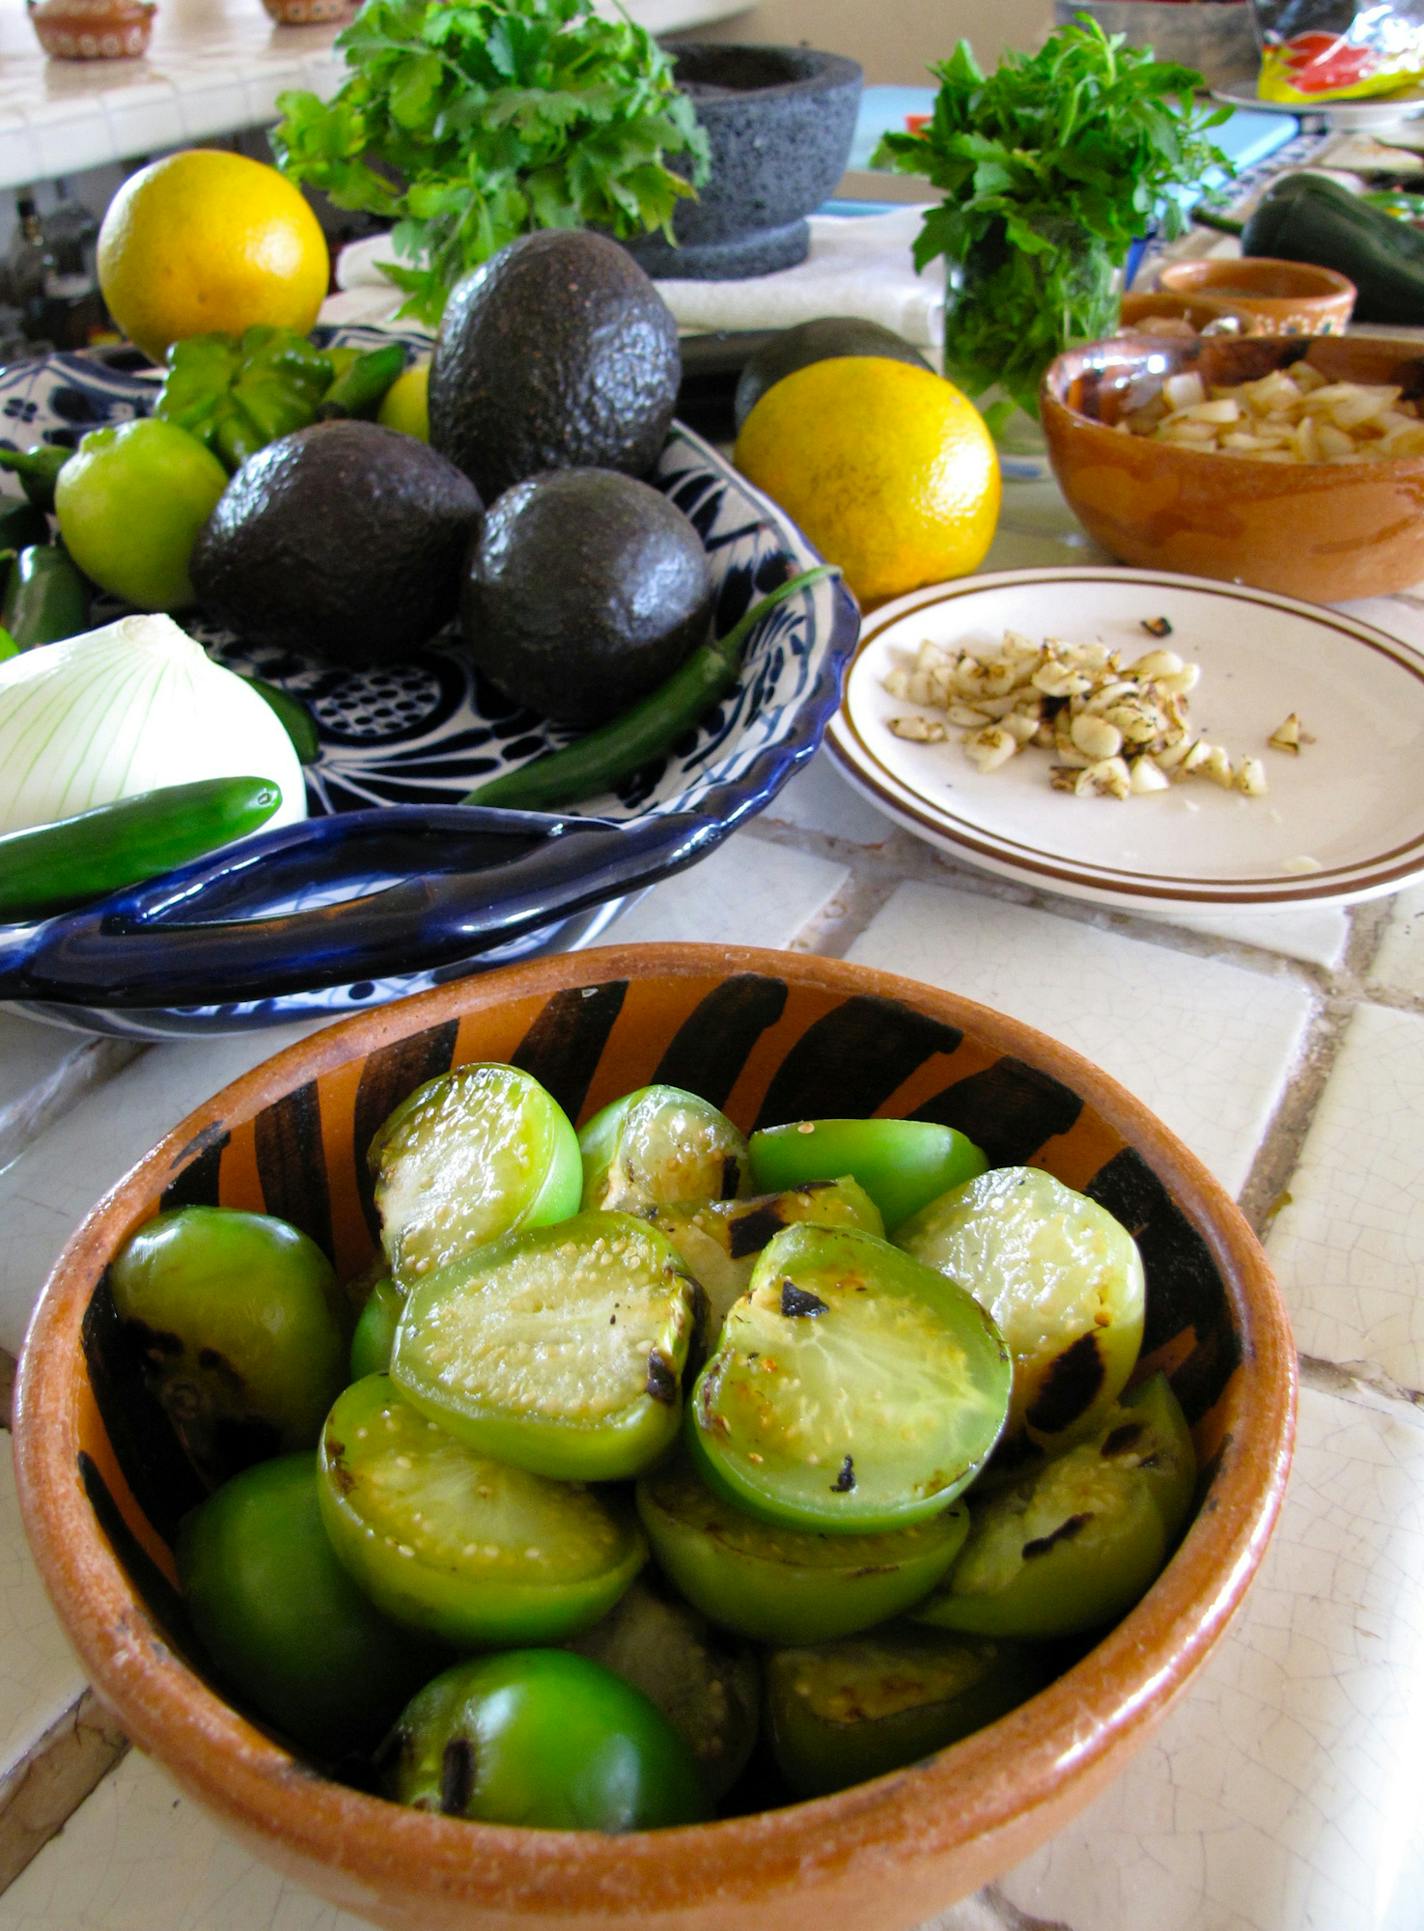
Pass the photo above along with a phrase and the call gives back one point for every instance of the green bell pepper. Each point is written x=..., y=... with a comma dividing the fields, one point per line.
x=236, y=394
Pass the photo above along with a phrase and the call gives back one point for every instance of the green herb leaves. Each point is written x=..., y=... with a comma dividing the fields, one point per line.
x=1051, y=167
x=468, y=124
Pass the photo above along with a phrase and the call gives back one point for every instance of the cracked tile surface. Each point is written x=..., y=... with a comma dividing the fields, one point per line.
x=1284, y=1790
x=1209, y=1046
x=1348, y=1248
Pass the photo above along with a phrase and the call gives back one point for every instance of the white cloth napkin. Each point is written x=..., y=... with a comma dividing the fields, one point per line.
x=858, y=265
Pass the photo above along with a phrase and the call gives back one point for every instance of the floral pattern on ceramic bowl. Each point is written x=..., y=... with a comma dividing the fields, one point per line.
x=400, y=745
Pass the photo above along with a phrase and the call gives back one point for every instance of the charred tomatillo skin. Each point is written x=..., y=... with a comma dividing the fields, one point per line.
x=659, y=1146
x=477, y=1153
x=853, y=1389
x=708, y=1688
x=1073, y=1546
x=719, y=1240
x=846, y=1711
x=559, y=1349
x=542, y=1738
x=467, y=1549
x=1062, y=1278
x=282, y=1622
x=375, y=1332
x=237, y=1318
x=784, y=1585
x=902, y=1164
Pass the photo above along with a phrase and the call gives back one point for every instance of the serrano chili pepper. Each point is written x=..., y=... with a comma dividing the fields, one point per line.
x=643, y=732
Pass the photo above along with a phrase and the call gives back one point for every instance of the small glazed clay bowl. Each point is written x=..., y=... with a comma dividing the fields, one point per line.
x=1325, y=532
x=1283, y=297
x=1157, y=312
x=767, y=1036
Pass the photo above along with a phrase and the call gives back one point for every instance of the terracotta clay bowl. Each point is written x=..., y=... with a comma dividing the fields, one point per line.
x=1322, y=531
x=1282, y=297
x=768, y=1036
x=1157, y=312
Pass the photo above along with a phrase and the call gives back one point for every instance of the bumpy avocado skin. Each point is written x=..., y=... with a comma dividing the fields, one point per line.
x=585, y=589
x=345, y=539
x=557, y=352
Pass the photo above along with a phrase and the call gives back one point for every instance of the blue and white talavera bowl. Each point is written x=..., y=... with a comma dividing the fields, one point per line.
x=391, y=886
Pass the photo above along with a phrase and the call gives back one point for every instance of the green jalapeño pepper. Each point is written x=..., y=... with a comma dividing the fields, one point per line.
x=45, y=597
x=37, y=470
x=47, y=867
x=237, y=394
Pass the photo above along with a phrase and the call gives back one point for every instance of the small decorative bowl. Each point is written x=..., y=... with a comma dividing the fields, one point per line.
x=1158, y=312
x=1282, y=297
x=92, y=29
x=1326, y=532
x=309, y=13
x=768, y=1036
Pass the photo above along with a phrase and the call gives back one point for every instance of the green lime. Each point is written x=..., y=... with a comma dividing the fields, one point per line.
x=405, y=405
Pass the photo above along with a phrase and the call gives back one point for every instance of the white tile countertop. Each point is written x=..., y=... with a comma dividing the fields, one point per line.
x=212, y=67
x=1286, y=1049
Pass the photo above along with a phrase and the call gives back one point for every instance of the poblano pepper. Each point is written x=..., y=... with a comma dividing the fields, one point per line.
x=236, y=394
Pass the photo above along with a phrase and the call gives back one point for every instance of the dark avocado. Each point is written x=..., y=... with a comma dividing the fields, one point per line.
x=557, y=352
x=585, y=590
x=344, y=539
x=818, y=341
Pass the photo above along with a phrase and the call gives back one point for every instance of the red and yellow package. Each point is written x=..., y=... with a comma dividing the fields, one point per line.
x=1314, y=51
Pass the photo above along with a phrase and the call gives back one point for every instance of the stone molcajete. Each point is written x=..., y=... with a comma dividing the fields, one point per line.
x=780, y=121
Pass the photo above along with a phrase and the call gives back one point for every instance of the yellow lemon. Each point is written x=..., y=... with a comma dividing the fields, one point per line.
x=886, y=467
x=406, y=404
x=205, y=240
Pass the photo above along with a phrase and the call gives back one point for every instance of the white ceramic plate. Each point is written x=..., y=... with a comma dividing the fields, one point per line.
x=1343, y=820
x=1363, y=116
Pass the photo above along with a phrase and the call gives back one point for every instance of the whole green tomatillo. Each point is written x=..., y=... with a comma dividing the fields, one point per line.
x=131, y=501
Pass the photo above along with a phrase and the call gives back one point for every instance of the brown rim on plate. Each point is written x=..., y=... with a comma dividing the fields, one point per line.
x=889, y=1852
x=1387, y=869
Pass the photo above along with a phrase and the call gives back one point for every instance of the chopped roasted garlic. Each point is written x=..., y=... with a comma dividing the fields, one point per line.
x=1113, y=730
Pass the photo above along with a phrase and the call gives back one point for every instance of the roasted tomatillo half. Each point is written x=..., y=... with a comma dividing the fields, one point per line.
x=1062, y=1278
x=477, y=1153
x=785, y=1585
x=707, y=1685
x=902, y=1164
x=560, y=1350
x=241, y=1327
x=658, y=1146
x=846, y=1711
x=282, y=1622
x=465, y=1548
x=1072, y=1546
x=853, y=1389
x=719, y=1240
x=542, y=1738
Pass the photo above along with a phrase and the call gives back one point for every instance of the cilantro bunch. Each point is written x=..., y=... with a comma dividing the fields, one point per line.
x=468, y=123
x=1051, y=167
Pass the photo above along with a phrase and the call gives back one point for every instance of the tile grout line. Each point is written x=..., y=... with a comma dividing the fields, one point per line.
x=44, y=1789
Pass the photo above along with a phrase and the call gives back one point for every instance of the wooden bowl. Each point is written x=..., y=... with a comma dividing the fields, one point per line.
x=1282, y=297
x=768, y=1036
x=1322, y=531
